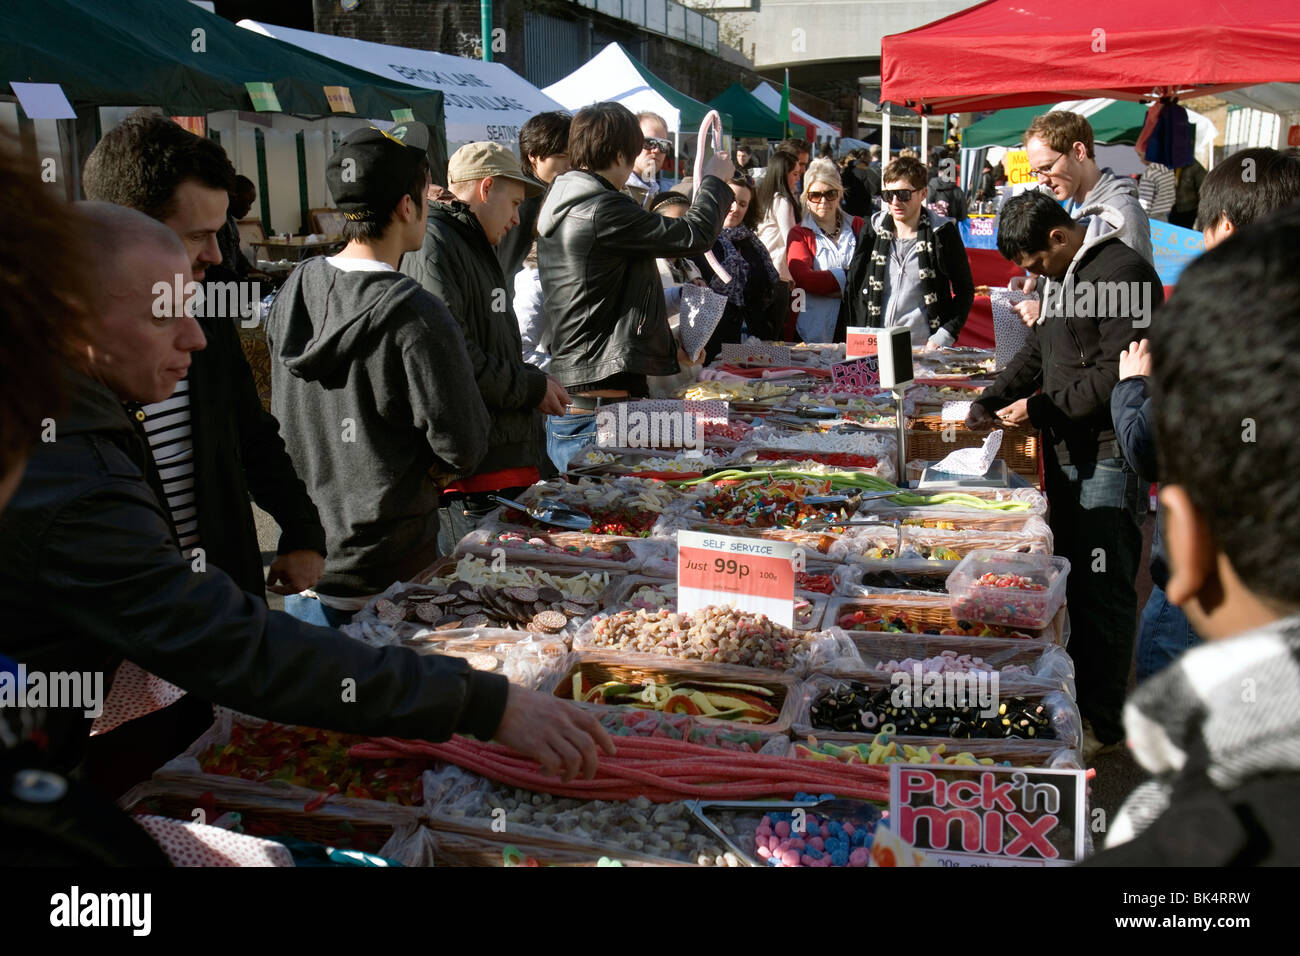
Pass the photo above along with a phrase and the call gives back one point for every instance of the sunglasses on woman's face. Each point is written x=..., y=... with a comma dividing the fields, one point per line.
x=829, y=195
x=902, y=195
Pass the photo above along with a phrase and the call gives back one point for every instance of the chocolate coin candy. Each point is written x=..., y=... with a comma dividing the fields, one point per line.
x=475, y=620
x=429, y=613
x=526, y=595
x=447, y=623
x=573, y=609
x=549, y=595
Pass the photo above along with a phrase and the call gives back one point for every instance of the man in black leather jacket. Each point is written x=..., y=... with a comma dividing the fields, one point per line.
x=596, y=253
x=90, y=572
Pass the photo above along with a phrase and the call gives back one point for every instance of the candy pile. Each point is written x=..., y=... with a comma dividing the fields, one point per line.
x=859, y=618
x=1011, y=599
x=664, y=595
x=544, y=610
x=902, y=582
x=519, y=541
x=316, y=759
x=717, y=700
x=821, y=583
x=806, y=839
x=855, y=442
x=478, y=572
x=680, y=464
x=732, y=431
x=643, y=723
x=882, y=750
x=948, y=662
x=734, y=391
x=770, y=503
x=718, y=633
x=853, y=707
x=924, y=552
x=838, y=459
x=638, y=825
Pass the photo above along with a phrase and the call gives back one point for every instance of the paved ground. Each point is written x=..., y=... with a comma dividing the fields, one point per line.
x=1117, y=774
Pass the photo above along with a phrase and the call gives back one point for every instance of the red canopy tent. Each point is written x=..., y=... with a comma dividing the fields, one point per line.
x=1026, y=52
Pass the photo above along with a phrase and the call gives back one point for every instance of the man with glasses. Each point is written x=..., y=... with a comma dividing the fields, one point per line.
x=1063, y=158
x=656, y=152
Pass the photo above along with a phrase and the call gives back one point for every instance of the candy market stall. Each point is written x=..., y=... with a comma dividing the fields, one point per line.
x=764, y=620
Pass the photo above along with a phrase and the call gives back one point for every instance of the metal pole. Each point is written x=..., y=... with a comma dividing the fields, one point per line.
x=884, y=135
x=925, y=139
x=899, y=392
x=485, y=24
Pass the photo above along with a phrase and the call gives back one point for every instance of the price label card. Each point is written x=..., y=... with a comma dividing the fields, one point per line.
x=860, y=373
x=340, y=99
x=861, y=342
x=749, y=573
x=264, y=98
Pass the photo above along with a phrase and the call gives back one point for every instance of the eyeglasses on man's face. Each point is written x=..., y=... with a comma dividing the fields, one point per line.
x=655, y=145
x=902, y=195
x=1046, y=172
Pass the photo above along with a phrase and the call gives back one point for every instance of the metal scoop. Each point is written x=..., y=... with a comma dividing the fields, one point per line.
x=550, y=511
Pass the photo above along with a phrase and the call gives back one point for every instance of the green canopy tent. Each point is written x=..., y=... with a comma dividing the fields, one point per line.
x=750, y=118
x=177, y=56
x=1115, y=121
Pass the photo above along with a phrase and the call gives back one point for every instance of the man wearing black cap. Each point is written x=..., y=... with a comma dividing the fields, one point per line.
x=456, y=264
x=372, y=381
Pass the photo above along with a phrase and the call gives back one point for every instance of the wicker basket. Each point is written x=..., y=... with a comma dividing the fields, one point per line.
x=1020, y=443
x=599, y=668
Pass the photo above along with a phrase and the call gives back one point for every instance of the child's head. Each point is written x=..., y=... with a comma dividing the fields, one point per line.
x=1226, y=360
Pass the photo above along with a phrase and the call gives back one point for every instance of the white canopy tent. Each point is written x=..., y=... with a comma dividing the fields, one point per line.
x=771, y=98
x=483, y=101
x=614, y=75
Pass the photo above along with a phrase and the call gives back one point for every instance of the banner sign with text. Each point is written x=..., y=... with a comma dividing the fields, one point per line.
x=860, y=342
x=990, y=816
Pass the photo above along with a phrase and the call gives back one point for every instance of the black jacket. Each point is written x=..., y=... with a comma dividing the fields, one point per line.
x=90, y=573
x=238, y=452
x=377, y=394
x=859, y=191
x=956, y=287
x=1074, y=360
x=459, y=266
x=596, y=252
x=950, y=194
x=1130, y=409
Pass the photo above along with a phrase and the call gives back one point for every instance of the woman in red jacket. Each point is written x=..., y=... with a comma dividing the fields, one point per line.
x=820, y=250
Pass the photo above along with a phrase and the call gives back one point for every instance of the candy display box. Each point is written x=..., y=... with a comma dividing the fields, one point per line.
x=1013, y=590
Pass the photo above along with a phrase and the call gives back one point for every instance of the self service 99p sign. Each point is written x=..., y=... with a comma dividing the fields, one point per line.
x=748, y=573
x=990, y=816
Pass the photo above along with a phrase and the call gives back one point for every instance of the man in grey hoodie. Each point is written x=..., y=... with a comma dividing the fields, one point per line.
x=372, y=381
x=1063, y=158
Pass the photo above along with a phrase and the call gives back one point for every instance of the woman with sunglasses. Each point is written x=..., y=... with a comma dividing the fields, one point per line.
x=910, y=268
x=821, y=249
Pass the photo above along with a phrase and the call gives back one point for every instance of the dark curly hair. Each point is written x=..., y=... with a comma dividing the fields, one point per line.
x=42, y=302
x=142, y=161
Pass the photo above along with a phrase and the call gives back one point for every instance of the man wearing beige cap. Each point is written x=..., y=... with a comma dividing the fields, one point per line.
x=457, y=264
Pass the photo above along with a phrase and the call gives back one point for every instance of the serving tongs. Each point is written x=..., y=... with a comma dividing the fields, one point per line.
x=550, y=511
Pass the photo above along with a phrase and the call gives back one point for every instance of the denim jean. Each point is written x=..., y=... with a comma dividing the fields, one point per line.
x=1097, y=510
x=566, y=435
x=462, y=515
x=311, y=611
x=1163, y=635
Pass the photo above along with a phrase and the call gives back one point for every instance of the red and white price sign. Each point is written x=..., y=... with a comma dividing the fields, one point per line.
x=861, y=342
x=749, y=573
x=861, y=373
